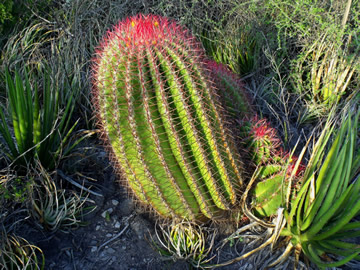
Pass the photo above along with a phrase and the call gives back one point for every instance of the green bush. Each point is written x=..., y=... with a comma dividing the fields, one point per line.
x=5, y=11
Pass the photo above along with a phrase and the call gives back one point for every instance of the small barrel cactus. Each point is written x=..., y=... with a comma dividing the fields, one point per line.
x=155, y=106
x=261, y=140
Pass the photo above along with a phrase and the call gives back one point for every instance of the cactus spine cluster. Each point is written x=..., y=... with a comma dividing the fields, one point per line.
x=155, y=107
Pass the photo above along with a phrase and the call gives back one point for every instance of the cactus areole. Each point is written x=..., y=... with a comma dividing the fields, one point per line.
x=154, y=104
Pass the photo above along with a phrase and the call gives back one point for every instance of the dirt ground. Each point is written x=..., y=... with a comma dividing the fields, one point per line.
x=117, y=234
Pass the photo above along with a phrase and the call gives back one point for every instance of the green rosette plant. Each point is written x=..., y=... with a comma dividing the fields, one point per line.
x=320, y=221
x=157, y=112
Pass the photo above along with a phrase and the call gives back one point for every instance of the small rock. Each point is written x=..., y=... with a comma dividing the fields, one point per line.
x=117, y=225
x=103, y=255
x=110, y=251
x=106, y=214
x=109, y=235
x=93, y=242
x=101, y=154
x=115, y=202
x=123, y=247
x=97, y=227
x=93, y=249
x=67, y=252
x=109, y=211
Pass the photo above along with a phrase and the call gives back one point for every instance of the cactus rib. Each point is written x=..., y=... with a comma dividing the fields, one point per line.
x=180, y=153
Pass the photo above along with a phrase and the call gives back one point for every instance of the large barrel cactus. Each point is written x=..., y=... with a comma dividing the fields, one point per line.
x=155, y=106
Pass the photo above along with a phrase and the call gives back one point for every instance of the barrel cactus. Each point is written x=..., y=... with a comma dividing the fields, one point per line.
x=232, y=94
x=156, y=108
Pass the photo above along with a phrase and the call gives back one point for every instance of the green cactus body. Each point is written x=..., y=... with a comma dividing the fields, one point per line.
x=273, y=181
x=267, y=193
x=231, y=91
x=262, y=140
x=155, y=108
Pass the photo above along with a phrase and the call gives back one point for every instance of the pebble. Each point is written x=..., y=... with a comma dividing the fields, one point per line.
x=103, y=255
x=109, y=211
x=110, y=251
x=67, y=252
x=93, y=249
x=109, y=235
x=115, y=202
x=117, y=225
x=93, y=242
x=97, y=227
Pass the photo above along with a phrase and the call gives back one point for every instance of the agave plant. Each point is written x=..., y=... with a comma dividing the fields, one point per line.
x=157, y=111
x=319, y=221
x=40, y=130
x=238, y=52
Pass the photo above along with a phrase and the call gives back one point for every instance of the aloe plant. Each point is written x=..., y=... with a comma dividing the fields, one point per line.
x=156, y=109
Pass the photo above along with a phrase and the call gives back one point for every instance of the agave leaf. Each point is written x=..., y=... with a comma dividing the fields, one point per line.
x=14, y=114
x=5, y=132
x=311, y=252
x=326, y=173
x=313, y=231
